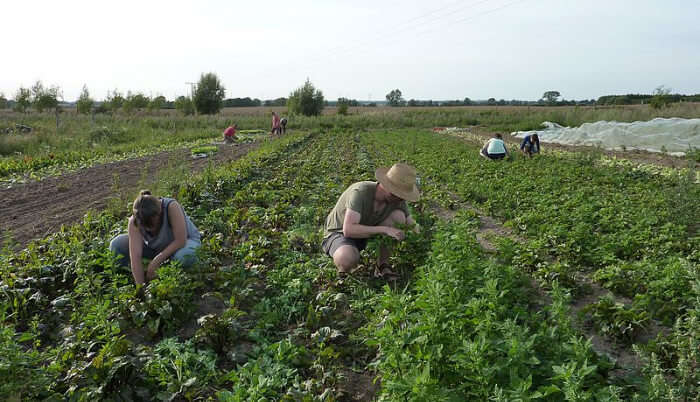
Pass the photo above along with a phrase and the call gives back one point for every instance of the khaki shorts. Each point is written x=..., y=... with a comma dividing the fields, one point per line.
x=336, y=239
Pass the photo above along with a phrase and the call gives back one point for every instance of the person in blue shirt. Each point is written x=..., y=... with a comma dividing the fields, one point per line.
x=530, y=145
x=494, y=148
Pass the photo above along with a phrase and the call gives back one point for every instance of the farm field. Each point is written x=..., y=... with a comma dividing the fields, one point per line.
x=82, y=141
x=37, y=208
x=571, y=276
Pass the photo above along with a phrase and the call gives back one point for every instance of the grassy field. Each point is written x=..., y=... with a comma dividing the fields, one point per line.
x=583, y=253
x=82, y=132
x=83, y=141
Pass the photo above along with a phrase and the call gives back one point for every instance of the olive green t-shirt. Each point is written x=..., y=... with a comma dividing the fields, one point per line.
x=360, y=198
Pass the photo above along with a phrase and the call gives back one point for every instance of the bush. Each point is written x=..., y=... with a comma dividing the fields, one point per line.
x=112, y=136
x=20, y=369
x=136, y=101
x=184, y=105
x=395, y=98
x=45, y=98
x=157, y=103
x=209, y=95
x=22, y=100
x=306, y=100
x=84, y=104
x=661, y=98
x=114, y=100
x=343, y=104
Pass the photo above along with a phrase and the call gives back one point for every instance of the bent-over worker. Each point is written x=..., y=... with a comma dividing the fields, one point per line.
x=366, y=209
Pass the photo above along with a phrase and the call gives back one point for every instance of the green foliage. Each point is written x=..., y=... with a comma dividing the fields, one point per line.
x=342, y=106
x=242, y=102
x=22, y=372
x=114, y=100
x=282, y=101
x=204, y=149
x=45, y=98
x=23, y=99
x=109, y=135
x=3, y=101
x=661, y=97
x=184, y=105
x=466, y=328
x=84, y=103
x=263, y=315
x=157, y=103
x=180, y=369
x=551, y=97
x=137, y=101
x=616, y=320
x=395, y=98
x=306, y=100
x=209, y=95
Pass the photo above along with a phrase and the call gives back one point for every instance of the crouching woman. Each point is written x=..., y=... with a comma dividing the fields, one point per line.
x=159, y=230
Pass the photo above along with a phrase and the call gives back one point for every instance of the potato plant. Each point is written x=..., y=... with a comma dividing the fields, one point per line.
x=264, y=316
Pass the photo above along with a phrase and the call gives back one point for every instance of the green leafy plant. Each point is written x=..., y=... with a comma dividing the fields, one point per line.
x=617, y=321
x=306, y=100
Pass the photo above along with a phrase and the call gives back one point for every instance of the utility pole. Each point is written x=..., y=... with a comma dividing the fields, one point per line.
x=192, y=86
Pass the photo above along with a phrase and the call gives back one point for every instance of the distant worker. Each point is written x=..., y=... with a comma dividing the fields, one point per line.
x=275, y=124
x=366, y=209
x=159, y=230
x=494, y=148
x=530, y=145
x=283, y=124
x=230, y=134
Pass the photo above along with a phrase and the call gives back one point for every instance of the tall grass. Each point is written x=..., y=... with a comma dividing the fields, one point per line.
x=127, y=133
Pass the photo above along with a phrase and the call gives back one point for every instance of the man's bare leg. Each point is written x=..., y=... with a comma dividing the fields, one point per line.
x=346, y=258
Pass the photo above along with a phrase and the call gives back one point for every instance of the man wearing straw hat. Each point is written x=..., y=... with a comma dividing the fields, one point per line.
x=366, y=209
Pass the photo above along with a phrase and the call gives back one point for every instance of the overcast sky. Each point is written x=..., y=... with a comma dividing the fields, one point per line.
x=438, y=49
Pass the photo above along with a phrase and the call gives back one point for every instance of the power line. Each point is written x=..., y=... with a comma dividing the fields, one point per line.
x=394, y=32
x=420, y=33
x=428, y=23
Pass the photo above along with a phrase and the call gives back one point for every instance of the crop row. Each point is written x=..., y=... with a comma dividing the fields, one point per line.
x=263, y=316
x=629, y=228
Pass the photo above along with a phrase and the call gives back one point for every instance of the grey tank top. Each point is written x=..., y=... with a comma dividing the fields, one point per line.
x=165, y=234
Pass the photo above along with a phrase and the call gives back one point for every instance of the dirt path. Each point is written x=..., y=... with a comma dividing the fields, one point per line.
x=36, y=209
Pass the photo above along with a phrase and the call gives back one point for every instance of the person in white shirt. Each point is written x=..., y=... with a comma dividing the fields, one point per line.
x=494, y=148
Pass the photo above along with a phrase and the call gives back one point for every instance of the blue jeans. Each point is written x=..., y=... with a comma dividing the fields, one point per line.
x=186, y=255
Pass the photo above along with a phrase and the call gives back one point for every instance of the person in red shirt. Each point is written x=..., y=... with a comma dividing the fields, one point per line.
x=276, y=124
x=230, y=134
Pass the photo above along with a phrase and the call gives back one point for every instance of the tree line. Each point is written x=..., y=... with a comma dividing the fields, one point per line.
x=208, y=97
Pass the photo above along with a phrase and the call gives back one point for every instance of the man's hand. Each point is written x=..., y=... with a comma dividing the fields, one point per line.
x=395, y=233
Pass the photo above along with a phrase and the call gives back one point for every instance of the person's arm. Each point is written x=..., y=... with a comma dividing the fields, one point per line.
x=136, y=252
x=177, y=223
x=522, y=144
x=353, y=229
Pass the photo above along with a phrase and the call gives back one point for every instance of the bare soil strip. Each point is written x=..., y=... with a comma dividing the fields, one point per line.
x=37, y=209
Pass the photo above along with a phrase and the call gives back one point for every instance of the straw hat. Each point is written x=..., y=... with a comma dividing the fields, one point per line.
x=400, y=180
